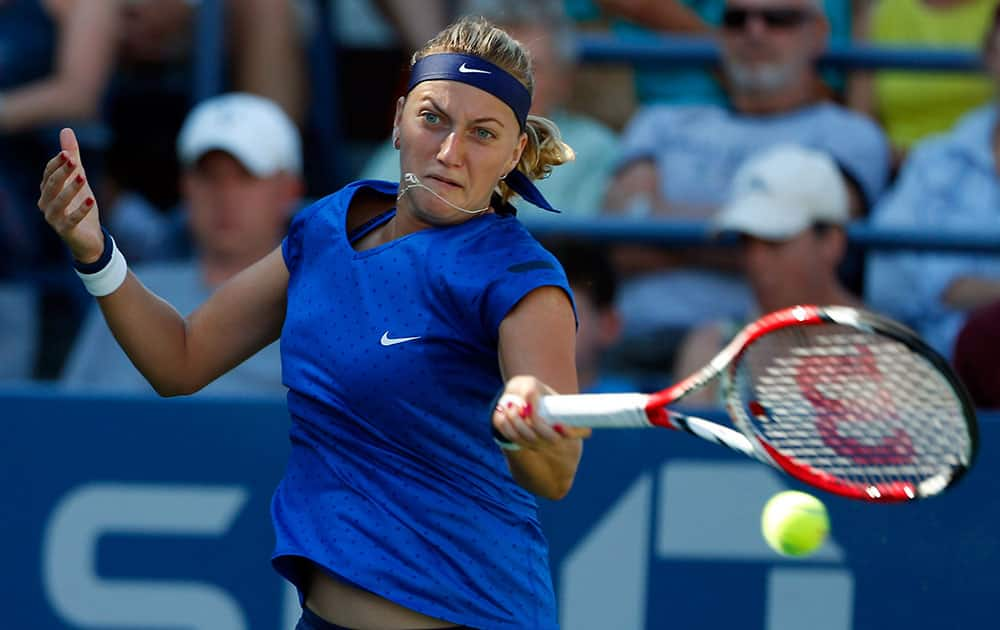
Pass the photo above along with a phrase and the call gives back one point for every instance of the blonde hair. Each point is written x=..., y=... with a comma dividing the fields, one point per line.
x=476, y=36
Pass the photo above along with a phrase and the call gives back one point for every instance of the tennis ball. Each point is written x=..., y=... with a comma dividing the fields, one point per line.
x=794, y=523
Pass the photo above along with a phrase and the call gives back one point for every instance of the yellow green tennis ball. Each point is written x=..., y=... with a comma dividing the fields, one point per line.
x=794, y=523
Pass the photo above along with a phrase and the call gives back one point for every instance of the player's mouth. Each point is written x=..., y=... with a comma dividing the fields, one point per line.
x=450, y=183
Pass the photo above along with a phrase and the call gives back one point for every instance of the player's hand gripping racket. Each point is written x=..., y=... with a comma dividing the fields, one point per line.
x=842, y=399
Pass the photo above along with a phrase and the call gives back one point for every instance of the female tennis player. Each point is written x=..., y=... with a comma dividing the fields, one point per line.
x=402, y=310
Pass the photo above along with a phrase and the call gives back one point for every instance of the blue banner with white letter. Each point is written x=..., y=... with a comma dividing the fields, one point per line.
x=147, y=513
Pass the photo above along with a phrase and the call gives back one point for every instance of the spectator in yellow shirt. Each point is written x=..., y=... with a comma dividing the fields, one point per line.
x=913, y=105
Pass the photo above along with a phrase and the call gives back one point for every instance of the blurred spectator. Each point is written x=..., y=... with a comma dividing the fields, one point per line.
x=267, y=47
x=241, y=182
x=679, y=162
x=576, y=188
x=594, y=284
x=977, y=356
x=913, y=105
x=55, y=60
x=789, y=205
x=373, y=41
x=604, y=91
x=947, y=183
x=263, y=43
x=416, y=22
x=639, y=20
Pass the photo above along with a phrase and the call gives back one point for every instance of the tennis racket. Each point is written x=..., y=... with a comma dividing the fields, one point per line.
x=841, y=399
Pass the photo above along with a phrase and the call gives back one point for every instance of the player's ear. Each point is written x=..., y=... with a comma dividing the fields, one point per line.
x=396, y=120
x=518, y=152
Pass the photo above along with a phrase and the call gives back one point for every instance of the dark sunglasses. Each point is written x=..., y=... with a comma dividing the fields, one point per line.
x=773, y=18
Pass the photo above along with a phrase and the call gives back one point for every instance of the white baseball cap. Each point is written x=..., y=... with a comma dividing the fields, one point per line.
x=782, y=191
x=251, y=128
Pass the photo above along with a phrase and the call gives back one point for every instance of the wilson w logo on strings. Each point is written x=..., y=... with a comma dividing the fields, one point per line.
x=848, y=396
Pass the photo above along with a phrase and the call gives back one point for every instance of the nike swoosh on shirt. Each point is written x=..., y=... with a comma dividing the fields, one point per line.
x=466, y=70
x=386, y=340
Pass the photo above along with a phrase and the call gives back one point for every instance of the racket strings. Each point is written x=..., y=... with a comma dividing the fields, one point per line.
x=861, y=407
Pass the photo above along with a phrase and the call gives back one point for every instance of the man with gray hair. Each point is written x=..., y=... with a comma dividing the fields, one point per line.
x=678, y=161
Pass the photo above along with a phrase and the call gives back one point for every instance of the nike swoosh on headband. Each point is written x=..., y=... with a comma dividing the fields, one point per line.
x=466, y=70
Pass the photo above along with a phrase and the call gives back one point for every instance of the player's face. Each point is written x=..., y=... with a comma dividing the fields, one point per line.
x=459, y=140
x=231, y=211
x=770, y=44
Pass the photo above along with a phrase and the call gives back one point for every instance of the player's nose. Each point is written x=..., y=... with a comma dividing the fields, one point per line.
x=451, y=150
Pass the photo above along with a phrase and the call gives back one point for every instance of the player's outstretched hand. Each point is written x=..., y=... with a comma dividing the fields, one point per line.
x=68, y=203
x=516, y=417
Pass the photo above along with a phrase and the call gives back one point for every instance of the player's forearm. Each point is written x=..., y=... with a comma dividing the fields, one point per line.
x=153, y=335
x=547, y=472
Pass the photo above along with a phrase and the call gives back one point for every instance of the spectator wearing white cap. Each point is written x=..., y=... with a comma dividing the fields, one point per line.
x=789, y=204
x=240, y=183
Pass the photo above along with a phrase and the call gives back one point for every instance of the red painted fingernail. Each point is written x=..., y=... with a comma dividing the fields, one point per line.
x=509, y=404
x=63, y=157
x=79, y=179
x=526, y=410
x=70, y=164
x=88, y=202
x=560, y=429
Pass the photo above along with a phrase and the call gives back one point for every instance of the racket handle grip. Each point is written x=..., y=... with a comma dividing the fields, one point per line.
x=596, y=410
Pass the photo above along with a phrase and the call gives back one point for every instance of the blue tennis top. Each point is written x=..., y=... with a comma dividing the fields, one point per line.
x=394, y=482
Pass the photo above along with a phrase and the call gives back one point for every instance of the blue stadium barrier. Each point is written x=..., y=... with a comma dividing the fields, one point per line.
x=679, y=50
x=681, y=232
x=141, y=512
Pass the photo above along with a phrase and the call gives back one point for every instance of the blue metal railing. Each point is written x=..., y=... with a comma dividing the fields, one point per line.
x=675, y=50
x=675, y=232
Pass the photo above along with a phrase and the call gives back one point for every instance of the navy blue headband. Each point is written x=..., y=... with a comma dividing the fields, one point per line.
x=482, y=74
x=476, y=72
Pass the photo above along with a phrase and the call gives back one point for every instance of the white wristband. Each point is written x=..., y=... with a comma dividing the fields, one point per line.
x=107, y=280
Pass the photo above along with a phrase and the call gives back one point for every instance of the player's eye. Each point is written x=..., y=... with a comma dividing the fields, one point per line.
x=431, y=118
x=484, y=134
